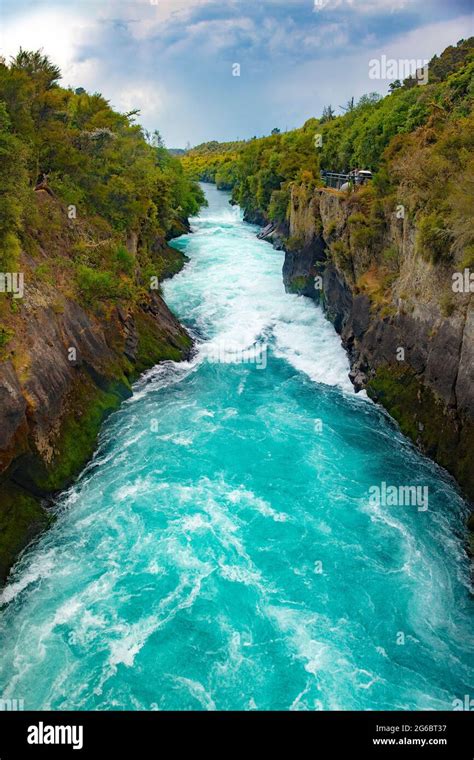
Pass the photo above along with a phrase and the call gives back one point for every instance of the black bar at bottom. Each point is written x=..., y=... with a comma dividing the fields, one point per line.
x=151, y=734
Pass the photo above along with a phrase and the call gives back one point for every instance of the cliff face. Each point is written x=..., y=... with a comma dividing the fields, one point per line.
x=67, y=367
x=410, y=339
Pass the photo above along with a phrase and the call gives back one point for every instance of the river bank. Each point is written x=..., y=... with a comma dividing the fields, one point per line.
x=410, y=354
x=230, y=510
x=69, y=364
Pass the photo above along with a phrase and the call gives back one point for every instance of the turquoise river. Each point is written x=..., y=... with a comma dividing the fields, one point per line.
x=223, y=549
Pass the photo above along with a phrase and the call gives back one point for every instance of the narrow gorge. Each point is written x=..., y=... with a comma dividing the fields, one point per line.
x=222, y=550
x=413, y=350
x=237, y=403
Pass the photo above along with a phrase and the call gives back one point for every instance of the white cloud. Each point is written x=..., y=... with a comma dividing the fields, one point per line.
x=428, y=40
x=334, y=80
x=148, y=98
x=172, y=59
x=56, y=31
x=370, y=6
x=148, y=17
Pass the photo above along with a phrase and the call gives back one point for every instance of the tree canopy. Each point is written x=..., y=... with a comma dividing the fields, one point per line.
x=93, y=157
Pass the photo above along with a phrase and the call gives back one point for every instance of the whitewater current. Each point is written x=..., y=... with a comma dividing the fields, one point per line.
x=222, y=550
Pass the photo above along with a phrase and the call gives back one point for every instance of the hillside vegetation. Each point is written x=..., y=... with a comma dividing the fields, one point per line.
x=382, y=261
x=118, y=187
x=88, y=201
x=418, y=140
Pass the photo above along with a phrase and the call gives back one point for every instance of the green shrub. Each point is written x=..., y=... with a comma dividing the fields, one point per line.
x=390, y=257
x=357, y=218
x=468, y=258
x=361, y=236
x=125, y=261
x=278, y=208
x=5, y=337
x=96, y=285
x=294, y=243
x=341, y=255
x=433, y=239
x=447, y=304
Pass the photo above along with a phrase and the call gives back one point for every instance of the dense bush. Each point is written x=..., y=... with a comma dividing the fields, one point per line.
x=91, y=156
x=419, y=141
x=95, y=285
x=434, y=239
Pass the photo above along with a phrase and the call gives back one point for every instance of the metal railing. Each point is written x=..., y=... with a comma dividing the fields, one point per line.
x=337, y=179
x=334, y=179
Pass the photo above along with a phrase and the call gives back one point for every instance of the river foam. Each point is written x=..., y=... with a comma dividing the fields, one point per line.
x=221, y=550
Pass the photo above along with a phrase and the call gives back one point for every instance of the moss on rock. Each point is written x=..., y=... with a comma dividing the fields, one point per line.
x=86, y=410
x=422, y=416
x=301, y=285
x=21, y=518
x=155, y=345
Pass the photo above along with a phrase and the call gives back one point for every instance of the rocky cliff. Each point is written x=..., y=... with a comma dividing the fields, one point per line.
x=409, y=335
x=68, y=362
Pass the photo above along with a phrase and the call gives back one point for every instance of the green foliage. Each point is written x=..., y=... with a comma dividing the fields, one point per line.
x=411, y=402
x=78, y=434
x=357, y=218
x=390, y=255
x=213, y=162
x=328, y=114
x=450, y=60
x=468, y=259
x=94, y=157
x=9, y=252
x=119, y=179
x=96, y=286
x=125, y=260
x=447, y=304
x=341, y=255
x=375, y=133
x=5, y=337
x=267, y=167
x=361, y=237
x=362, y=231
x=153, y=347
x=13, y=190
x=226, y=175
x=278, y=206
x=294, y=243
x=433, y=239
x=20, y=516
x=38, y=67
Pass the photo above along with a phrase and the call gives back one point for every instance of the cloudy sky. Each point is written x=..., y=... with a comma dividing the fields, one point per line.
x=174, y=59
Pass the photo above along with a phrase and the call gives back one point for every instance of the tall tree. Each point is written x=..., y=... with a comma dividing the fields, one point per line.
x=328, y=114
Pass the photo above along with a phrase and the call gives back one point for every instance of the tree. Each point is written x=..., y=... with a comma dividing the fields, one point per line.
x=275, y=131
x=130, y=115
x=93, y=157
x=157, y=140
x=37, y=66
x=369, y=99
x=328, y=114
x=13, y=189
x=349, y=106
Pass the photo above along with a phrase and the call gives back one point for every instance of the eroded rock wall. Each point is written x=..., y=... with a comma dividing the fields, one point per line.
x=410, y=339
x=66, y=368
